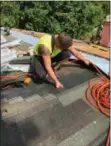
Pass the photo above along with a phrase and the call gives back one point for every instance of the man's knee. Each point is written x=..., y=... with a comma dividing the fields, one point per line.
x=38, y=67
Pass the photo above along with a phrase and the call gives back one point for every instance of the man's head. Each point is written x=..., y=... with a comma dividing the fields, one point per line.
x=64, y=41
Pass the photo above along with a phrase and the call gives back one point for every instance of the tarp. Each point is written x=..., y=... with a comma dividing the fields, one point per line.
x=102, y=63
x=26, y=38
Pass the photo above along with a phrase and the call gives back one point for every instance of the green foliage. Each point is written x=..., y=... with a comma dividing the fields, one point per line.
x=9, y=14
x=82, y=19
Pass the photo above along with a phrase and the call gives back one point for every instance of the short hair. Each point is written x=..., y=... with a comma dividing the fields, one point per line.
x=65, y=39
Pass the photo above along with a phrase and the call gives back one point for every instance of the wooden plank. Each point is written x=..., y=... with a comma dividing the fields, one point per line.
x=93, y=49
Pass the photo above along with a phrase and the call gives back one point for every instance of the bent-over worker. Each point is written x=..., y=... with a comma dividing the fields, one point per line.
x=50, y=49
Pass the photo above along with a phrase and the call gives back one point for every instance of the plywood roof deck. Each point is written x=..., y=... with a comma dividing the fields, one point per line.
x=93, y=49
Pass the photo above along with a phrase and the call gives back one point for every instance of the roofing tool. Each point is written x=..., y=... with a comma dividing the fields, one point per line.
x=16, y=77
x=27, y=80
x=98, y=95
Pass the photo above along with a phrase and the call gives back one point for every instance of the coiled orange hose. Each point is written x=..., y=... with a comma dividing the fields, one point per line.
x=98, y=95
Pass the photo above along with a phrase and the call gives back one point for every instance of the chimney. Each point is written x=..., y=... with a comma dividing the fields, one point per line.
x=105, y=37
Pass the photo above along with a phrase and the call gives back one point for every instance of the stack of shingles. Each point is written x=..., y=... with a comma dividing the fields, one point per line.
x=6, y=53
x=12, y=43
x=10, y=49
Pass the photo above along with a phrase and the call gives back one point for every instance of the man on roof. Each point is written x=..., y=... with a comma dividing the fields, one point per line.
x=53, y=49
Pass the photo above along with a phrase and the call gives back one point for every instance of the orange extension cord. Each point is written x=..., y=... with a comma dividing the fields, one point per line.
x=100, y=96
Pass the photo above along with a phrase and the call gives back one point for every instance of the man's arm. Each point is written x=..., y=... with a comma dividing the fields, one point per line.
x=78, y=55
x=44, y=52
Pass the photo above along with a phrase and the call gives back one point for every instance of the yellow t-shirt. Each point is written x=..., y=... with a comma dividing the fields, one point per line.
x=46, y=41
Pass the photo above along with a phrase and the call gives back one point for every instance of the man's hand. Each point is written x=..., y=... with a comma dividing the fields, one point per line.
x=87, y=62
x=78, y=55
x=51, y=73
x=59, y=85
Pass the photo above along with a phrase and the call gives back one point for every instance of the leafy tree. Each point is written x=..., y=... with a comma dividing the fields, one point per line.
x=82, y=19
x=9, y=14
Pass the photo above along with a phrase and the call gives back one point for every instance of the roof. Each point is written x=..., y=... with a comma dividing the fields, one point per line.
x=39, y=114
x=49, y=116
